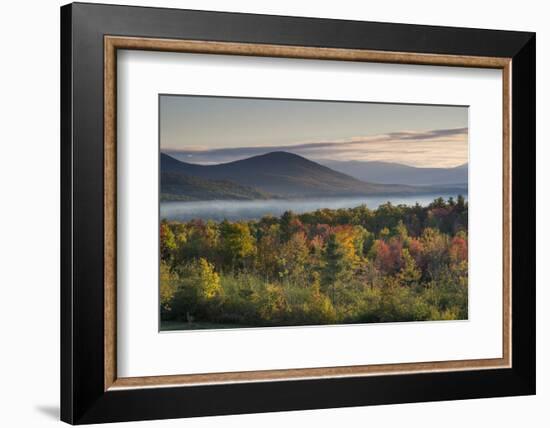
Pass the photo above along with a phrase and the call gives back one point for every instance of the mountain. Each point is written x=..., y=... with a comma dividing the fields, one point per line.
x=394, y=173
x=279, y=174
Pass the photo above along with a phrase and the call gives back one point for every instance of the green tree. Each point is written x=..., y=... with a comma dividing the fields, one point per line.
x=289, y=224
x=336, y=266
x=460, y=204
x=201, y=240
x=238, y=244
x=400, y=231
x=199, y=286
x=409, y=273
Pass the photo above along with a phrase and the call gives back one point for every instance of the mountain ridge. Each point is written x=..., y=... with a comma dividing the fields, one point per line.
x=396, y=173
x=279, y=174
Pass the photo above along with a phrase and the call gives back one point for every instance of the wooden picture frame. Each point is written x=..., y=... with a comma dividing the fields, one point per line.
x=91, y=390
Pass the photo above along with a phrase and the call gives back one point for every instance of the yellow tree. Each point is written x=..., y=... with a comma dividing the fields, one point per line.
x=168, y=285
x=167, y=241
x=293, y=257
x=198, y=287
x=409, y=273
x=205, y=279
x=237, y=242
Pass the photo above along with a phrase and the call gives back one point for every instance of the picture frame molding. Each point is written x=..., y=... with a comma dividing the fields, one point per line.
x=114, y=43
x=90, y=390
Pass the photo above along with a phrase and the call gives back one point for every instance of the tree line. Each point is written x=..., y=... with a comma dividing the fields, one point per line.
x=356, y=265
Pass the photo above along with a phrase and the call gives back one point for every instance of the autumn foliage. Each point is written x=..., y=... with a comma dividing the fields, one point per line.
x=394, y=263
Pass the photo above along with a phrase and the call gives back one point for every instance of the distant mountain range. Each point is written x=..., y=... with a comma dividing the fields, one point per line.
x=271, y=175
x=394, y=173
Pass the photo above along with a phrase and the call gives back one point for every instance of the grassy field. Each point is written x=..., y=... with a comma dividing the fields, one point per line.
x=177, y=325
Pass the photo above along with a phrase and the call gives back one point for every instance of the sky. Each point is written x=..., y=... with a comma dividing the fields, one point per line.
x=210, y=130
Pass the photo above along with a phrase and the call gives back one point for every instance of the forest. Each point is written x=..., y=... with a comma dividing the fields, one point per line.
x=356, y=265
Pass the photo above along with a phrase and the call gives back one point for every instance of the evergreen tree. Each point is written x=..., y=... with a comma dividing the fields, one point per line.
x=336, y=267
x=409, y=273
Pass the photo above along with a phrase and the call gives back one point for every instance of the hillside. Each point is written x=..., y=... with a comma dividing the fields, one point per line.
x=284, y=174
x=180, y=187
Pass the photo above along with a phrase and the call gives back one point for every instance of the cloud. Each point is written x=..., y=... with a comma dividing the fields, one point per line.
x=433, y=148
x=429, y=135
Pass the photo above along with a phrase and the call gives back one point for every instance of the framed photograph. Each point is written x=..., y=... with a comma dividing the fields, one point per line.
x=266, y=213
